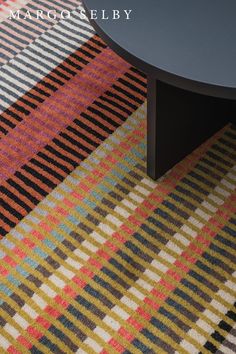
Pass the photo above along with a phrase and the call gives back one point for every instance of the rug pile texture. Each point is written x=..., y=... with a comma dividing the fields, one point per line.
x=94, y=256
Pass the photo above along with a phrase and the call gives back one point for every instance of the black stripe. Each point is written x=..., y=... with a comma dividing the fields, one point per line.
x=138, y=72
x=31, y=184
x=47, y=169
x=95, y=122
x=39, y=176
x=217, y=336
x=82, y=136
x=6, y=221
x=90, y=130
x=132, y=87
x=11, y=210
x=94, y=49
x=28, y=103
x=103, y=116
x=71, y=63
x=4, y=131
x=126, y=93
x=115, y=104
x=41, y=91
x=58, y=154
x=10, y=74
x=67, y=148
x=54, y=79
x=13, y=115
x=2, y=231
x=82, y=60
x=110, y=110
x=7, y=122
x=53, y=162
x=66, y=69
x=99, y=43
x=20, y=109
x=34, y=97
x=22, y=191
x=6, y=100
x=135, y=79
x=15, y=198
x=118, y=97
x=75, y=142
x=49, y=86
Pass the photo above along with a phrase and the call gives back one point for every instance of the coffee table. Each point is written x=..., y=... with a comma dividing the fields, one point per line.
x=188, y=51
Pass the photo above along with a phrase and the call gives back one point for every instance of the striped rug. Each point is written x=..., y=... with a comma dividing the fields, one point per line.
x=95, y=256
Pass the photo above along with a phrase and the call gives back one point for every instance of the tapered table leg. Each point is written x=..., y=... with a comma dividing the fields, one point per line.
x=178, y=121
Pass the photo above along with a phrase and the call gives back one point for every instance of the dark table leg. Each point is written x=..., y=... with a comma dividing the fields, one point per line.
x=233, y=113
x=178, y=121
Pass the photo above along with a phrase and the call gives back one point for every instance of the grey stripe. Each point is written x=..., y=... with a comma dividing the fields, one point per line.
x=37, y=53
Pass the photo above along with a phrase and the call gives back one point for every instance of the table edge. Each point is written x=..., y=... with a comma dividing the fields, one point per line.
x=160, y=74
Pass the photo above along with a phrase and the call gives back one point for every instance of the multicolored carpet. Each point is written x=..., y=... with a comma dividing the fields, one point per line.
x=96, y=257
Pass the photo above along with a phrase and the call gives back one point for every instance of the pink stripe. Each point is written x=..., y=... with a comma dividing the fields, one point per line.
x=79, y=86
x=73, y=97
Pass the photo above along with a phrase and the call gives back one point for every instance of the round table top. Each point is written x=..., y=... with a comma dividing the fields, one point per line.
x=188, y=44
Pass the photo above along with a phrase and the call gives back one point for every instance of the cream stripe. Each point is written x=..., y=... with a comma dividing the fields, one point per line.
x=43, y=39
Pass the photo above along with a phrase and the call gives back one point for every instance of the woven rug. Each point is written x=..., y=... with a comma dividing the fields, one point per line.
x=95, y=256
